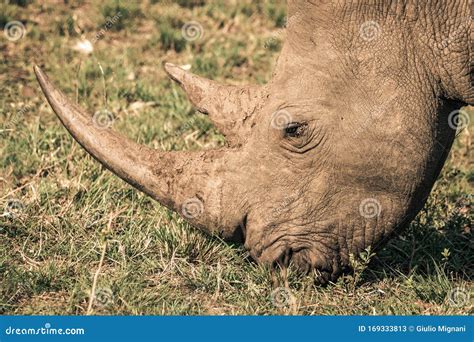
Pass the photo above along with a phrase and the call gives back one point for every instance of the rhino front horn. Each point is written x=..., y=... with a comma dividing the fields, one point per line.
x=178, y=180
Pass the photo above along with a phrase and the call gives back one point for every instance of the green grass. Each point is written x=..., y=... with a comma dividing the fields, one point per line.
x=59, y=200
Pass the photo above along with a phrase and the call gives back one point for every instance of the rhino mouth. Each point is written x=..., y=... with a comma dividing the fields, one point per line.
x=300, y=262
x=302, y=258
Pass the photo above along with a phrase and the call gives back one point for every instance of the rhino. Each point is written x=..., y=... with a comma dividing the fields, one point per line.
x=337, y=152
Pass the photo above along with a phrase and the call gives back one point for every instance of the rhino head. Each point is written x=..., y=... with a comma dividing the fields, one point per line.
x=336, y=153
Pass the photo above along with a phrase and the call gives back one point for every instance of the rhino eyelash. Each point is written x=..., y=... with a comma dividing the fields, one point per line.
x=295, y=129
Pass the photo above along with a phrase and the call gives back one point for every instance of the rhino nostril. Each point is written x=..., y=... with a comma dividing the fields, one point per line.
x=239, y=232
x=243, y=226
x=283, y=260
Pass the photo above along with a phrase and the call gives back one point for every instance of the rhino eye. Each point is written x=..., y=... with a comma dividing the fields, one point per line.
x=295, y=129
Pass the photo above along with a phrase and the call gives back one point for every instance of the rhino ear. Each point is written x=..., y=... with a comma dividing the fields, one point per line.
x=228, y=106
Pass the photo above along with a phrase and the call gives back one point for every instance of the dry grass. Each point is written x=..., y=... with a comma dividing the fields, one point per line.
x=154, y=263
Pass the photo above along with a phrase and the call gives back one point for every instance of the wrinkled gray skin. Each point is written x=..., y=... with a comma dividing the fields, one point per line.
x=336, y=153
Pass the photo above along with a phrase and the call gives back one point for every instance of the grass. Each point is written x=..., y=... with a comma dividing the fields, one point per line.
x=63, y=211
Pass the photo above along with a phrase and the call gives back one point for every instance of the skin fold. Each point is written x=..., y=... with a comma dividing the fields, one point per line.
x=338, y=152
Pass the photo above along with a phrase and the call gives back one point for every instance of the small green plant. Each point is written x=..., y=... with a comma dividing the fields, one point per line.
x=446, y=254
x=359, y=265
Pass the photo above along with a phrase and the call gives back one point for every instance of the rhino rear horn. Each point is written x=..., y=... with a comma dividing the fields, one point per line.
x=228, y=106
